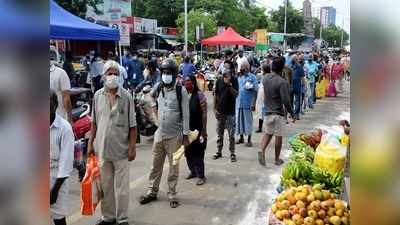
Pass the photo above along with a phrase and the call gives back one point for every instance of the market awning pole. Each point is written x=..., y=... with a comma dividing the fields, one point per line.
x=201, y=54
x=120, y=53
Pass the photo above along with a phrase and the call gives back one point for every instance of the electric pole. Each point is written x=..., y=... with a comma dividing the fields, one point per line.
x=186, y=29
x=284, y=28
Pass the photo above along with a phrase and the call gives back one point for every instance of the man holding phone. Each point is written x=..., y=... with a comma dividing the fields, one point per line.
x=225, y=93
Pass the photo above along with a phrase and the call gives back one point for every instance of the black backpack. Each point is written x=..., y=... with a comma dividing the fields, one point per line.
x=178, y=90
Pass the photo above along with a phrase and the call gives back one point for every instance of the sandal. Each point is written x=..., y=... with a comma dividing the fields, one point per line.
x=279, y=162
x=147, y=199
x=217, y=155
x=261, y=158
x=190, y=176
x=233, y=158
x=174, y=203
x=240, y=141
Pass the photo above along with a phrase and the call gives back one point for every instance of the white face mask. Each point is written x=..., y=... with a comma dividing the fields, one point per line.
x=111, y=81
x=134, y=57
x=166, y=78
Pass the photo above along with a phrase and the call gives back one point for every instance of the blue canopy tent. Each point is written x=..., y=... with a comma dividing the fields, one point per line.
x=66, y=26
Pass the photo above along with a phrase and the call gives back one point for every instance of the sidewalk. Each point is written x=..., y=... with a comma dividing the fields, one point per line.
x=235, y=193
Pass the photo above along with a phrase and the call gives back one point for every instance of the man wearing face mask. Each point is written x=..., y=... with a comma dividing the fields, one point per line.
x=61, y=162
x=311, y=68
x=114, y=141
x=173, y=116
x=135, y=71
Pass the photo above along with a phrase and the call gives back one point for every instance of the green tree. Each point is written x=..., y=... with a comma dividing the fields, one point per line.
x=195, y=18
x=294, y=22
x=138, y=8
x=79, y=7
x=333, y=35
x=316, y=26
x=239, y=14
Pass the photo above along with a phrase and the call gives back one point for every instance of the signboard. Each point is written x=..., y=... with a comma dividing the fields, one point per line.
x=115, y=14
x=262, y=47
x=261, y=36
x=144, y=26
x=108, y=9
x=276, y=38
x=124, y=34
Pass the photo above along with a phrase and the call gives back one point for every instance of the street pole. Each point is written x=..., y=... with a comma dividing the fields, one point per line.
x=284, y=28
x=201, y=45
x=186, y=29
x=341, y=40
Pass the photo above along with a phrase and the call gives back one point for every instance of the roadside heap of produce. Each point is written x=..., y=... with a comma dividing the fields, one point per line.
x=312, y=182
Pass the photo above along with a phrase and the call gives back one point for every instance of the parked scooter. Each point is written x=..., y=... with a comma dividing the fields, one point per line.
x=81, y=126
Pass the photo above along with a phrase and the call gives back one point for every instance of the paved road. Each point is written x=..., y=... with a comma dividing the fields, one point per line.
x=235, y=193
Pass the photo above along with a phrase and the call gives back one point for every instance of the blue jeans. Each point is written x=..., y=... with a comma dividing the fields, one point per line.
x=297, y=104
x=311, y=97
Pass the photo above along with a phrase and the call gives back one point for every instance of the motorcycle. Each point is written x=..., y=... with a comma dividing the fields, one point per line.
x=81, y=127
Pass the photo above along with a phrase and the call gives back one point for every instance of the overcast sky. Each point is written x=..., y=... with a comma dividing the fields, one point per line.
x=342, y=8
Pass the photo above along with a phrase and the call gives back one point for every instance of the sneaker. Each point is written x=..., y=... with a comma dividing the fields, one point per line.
x=201, y=181
x=123, y=223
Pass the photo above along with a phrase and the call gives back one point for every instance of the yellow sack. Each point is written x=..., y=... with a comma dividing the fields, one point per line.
x=325, y=84
x=177, y=156
x=330, y=154
x=320, y=90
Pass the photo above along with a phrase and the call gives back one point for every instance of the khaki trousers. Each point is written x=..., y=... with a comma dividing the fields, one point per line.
x=161, y=150
x=115, y=185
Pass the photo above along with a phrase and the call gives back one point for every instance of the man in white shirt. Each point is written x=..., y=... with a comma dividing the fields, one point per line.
x=61, y=162
x=240, y=60
x=60, y=83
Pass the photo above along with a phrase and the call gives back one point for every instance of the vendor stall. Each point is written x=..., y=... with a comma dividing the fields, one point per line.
x=228, y=37
x=66, y=26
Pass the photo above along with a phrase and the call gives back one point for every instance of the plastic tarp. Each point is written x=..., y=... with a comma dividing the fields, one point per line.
x=228, y=37
x=66, y=26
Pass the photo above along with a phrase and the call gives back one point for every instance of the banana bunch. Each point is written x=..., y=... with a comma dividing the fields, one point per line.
x=299, y=172
x=306, y=153
x=296, y=143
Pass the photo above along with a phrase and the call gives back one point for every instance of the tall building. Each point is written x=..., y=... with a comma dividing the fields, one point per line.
x=328, y=16
x=307, y=17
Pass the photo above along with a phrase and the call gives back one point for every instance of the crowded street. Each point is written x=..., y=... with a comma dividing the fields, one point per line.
x=229, y=125
x=236, y=194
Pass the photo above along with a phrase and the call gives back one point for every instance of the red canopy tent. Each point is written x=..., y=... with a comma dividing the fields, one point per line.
x=228, y=37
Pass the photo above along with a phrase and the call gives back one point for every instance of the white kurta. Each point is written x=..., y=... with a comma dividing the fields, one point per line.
x=61, y=163
x=59, y=82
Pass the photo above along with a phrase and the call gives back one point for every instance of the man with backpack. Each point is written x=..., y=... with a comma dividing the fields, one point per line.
x=173, y=116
